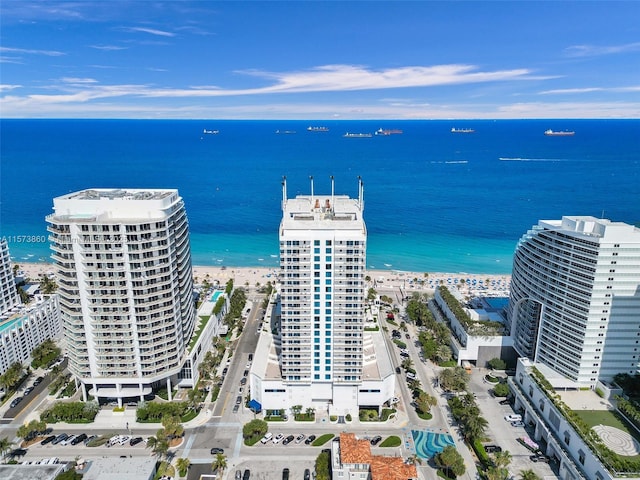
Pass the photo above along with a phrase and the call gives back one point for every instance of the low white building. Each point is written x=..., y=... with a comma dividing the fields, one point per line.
x=554, y=434
x=24, y=327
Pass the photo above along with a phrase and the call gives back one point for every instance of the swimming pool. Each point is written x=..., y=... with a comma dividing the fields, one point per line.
x=216, y=294
x=10, y=323
x=429, y=443
x=497, y=302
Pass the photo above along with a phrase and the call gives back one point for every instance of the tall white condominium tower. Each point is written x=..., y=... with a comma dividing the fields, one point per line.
x=575, y=297
x=125, y=284
x=322, y=260
x=9, y=297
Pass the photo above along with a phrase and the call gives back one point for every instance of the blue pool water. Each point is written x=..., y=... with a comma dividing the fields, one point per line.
x=430, y=443
x=497, y=302
x=215, y=295
x=10, y=324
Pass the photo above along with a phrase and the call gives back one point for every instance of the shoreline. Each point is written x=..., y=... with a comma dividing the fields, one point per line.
x=255, y=276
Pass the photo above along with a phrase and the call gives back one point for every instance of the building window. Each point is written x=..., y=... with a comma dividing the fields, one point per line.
x=567, y=438
x=581, y=457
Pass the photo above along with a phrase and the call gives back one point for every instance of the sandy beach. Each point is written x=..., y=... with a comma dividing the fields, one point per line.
x=252, y=276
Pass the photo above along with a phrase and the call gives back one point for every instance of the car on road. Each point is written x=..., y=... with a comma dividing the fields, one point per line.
x=246, y=475
x=278, y=438
x=18, y=452
x=238, y=400
x=243, y=381
x=134, y=441
x=300, y=438
x=224, y=371
x=285, y=474
x=513, y=418
x=236, y=407
x=267, y=436
x=240, y=389
x=37, y=381
x=79, y=438
x=49, y=439
x=307, y=474
x=407, y=336
x=539, y=458
x=251, y=357
x=309, y=439
x=27, y=391
x=517, y=424
x=376, y=440
x=15, y=402
x=398, y=370
x=492, y=448
x=238, y=475
x=245, y=373
x=216, y=450
x=288, y=440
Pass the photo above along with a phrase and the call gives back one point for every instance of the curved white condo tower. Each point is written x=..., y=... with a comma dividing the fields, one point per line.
x=125, y=283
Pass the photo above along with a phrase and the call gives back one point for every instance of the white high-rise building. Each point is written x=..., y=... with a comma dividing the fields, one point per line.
x=9, y=297
x=326, y=359
x=575, y=297
x=125, y=283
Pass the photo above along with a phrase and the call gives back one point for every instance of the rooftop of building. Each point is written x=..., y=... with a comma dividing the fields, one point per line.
x=319, y=211
x=358, y=451
x=592, y=227
x=130, y=468
x=29, y=472
x=120, y=194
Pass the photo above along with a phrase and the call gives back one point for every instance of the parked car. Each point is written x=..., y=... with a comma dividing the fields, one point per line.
x=59, y=438
x=134, y=441
x=300, y=438
x=238, y=400
x=309, y=439
x=37, y=381
x=376, y=440
x=27, y=391
x=79, y=438
x=504, y=402
x=288, y=440
x=246, y=475
x=517, y=424
x=539, y=458
x=278, y=438
x=236, y=407
x=492, y=448
x=49, y=439
x=68, y=440
x=513, y=418
x=245, y=373
x=307, y=474
x=238, y=475
x=216, y=450
x=15, y=402
x=285, y=474
x=89, y=438
x=266, y=437
x=243, y=381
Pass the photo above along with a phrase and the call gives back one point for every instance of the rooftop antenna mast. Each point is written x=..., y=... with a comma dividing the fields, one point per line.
x=312, y=201
x=333, y=203
x=284, y=192
x=361, y=193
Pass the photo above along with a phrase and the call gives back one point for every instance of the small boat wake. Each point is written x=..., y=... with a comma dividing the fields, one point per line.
x=520, y=159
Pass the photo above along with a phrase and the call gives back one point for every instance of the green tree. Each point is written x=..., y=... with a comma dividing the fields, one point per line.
x=44, y=353
x=254, y=428
x=295, y=410
x=497, y=473
x=323, y=466
x=450, y=460
x=5, y=446
x=12, y=376
x=443, y=354
x=159, y=444
x=30, y=429
x=502, y=459
x=183, y=464
x=47, y=285
x=501, y=390
x=219, y=463
x=454, y=379
x=69, y=475
x=528, y=475
x=474, y=426
x=497, y=364
x=407, y=363
x=172, y=427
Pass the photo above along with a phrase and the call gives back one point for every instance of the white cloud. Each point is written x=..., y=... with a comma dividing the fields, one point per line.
x=596, y=50
x=49, y=53
x=6, y=88
x=562, y=91
x=152, y=31
x=80, y=81
x=108, y=48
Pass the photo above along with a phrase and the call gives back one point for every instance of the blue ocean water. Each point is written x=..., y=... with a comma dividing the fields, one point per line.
x=434, y=200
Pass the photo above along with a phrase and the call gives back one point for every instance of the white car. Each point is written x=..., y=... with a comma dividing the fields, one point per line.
x=278, y=438
x=394, y=400
x=513, y=418
x=67, y=441
x=266, y=438
x=300, y=438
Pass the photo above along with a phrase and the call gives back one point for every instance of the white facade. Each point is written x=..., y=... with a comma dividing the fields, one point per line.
x=9, y=297
x=125, y=283
x=575, y=297
x=320, y=344
x=28, y=327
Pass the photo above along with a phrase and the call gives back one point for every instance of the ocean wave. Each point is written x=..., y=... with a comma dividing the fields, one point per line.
x=519, y=159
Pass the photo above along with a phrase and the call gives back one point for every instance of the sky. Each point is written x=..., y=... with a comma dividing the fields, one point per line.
x=319, y=60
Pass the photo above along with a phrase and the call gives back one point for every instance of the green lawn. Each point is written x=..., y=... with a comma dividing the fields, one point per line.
x=612, y=419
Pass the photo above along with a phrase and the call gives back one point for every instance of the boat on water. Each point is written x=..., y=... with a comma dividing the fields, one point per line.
x=317, y=129
x=386, y=132
x=563, y=133
x=462, y=130
x=285, y=132
x=357, y=135
x=210, y=132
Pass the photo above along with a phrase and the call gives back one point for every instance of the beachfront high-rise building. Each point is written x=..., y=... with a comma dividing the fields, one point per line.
x=9, y=297
x=125, y=283
x=326, y=359
x=575, y=298
x=23, y=327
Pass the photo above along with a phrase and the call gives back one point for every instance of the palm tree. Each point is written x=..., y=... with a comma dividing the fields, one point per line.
x=5, y=445
x=183, y=464
x=220, y=463
x=474, y=427
x=159, y=444
x=528, y=475
x=502, y=459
